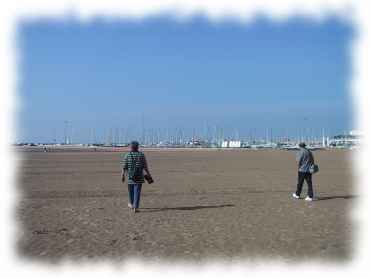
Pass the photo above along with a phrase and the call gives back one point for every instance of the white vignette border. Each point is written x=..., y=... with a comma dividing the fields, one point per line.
x=216, y=11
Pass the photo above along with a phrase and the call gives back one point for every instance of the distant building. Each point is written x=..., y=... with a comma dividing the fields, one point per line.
x=354, y=138
x=225, y=144
x=231, y=144
x=235, y=144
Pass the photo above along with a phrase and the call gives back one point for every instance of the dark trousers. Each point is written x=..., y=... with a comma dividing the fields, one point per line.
x=302, y=176
x=134, y=191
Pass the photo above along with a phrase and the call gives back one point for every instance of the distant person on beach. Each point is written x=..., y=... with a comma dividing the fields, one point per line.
x=134, y=163
x=305, y=162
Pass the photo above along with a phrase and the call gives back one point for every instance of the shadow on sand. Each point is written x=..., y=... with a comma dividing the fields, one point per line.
x=185, y=208
x=337, y=197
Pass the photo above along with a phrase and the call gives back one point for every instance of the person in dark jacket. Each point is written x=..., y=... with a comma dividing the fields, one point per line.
x=305, y=161
x=133, y=165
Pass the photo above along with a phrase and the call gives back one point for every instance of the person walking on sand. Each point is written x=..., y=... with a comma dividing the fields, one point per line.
x=305, y=162
x=133, y=165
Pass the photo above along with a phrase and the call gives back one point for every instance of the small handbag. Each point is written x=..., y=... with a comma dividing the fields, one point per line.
x=314, y=168
x=148, y=178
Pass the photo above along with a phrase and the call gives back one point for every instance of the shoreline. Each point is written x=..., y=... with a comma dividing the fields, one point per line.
x=150, y=149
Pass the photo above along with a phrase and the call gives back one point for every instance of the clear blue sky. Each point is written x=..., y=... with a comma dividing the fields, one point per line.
x=158, y=73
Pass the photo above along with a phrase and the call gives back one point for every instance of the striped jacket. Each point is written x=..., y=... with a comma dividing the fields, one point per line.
x=132, y=161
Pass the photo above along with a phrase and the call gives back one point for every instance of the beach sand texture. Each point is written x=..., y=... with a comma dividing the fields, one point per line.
x=203, y=205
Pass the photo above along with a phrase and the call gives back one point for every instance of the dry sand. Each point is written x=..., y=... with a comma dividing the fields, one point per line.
x=203, y=205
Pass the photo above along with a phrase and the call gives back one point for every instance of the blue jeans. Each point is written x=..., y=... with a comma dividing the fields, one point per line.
x=134, y=191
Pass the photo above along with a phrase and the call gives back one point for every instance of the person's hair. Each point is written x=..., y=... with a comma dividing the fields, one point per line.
x=302, y=145
x=134, y=146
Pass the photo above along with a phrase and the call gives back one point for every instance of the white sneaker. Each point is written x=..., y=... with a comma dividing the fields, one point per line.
x=308, y=199
x=129, y=205
x=295, y=196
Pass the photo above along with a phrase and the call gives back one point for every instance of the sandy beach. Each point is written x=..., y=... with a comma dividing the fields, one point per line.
x=203, y=205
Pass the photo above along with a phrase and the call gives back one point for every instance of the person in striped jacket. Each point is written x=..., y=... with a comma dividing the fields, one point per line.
x=134, y=164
